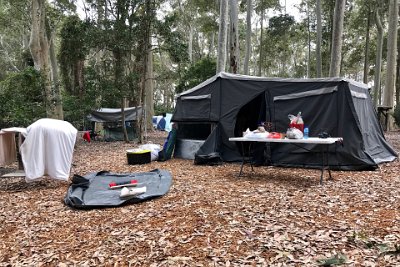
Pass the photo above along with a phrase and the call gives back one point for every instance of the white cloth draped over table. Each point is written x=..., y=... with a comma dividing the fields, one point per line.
x=48, y=149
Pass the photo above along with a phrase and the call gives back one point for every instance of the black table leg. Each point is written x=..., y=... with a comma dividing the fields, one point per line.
x=244, y=158
x=321, y=181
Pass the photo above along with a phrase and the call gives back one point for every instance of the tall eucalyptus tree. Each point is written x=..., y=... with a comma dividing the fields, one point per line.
x=40, y=43
x=248, y=37
x=318, y=12
x=234, y=37
x=222, y=36
x=336, y=51
x=378, y=60
x=391, y=55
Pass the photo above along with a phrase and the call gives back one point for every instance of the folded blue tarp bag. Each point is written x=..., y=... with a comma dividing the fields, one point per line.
x=93, y=190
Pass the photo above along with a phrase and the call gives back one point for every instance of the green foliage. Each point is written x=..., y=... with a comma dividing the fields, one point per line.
x=396, y=115
x=280, y=25
x=197, y=73
x=158, y=110
x=73, y=49
x=173, y=40
x=77, y=107
x=21, y=99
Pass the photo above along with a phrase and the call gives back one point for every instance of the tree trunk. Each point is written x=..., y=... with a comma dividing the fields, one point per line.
x=378, y=60
x=260, y=61
x=319, y=39
x=149, y=101
x=248, y=37
x=146, y=47
x=190, y=46
x=336, y=51
x=397, y=94
x=211, y=50
x=366, y=51
x=234, y=35
x=391, y=57
x=39, y=46
x=222, y=36
x=126, y=137
x=119, y=76
x=308, y=42
x=59, y=114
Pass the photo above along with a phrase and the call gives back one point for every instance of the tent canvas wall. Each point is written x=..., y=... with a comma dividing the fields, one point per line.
x=111, y=119
x=227, y=104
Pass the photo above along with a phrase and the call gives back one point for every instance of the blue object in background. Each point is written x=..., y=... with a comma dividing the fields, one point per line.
x=305, y=133
x=161, y=124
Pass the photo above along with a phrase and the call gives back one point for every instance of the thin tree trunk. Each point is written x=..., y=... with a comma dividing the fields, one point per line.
x=119, y=76
x=397, y=94
x=126, y=137
x=145, y=60
x=222, y=36
x=336, y=52
x=391, y=57
x=319, y=39
x=211, y=50
x=260, y=61
x=308, y=42
x=248, y=37
x=234, y=35
x=190, y=46
x=378, y=60
x=366, y=51
x=149, y=106
x=59, y=114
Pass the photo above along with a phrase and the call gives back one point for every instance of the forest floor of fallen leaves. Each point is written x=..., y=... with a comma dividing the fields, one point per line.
x=210, y=217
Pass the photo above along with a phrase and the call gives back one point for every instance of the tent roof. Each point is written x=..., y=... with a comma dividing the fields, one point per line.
x=114, y=114
x=231, y=76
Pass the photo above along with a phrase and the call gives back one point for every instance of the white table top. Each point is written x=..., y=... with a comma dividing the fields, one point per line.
x=310, y=140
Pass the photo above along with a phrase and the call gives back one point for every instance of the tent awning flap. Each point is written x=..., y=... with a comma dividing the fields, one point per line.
x=114, y=114
x=326, y=90
x=195, y=97
x=358, y=94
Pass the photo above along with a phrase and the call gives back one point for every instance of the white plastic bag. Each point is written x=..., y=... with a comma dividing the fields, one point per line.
x=154, y=149
x=294, y=133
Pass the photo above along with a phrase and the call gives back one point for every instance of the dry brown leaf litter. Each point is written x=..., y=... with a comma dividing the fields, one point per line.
x=276, y=217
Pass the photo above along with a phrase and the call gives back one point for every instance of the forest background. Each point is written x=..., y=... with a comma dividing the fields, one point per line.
x=64, y=58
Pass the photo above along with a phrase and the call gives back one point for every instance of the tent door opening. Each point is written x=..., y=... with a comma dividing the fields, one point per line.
x=250, y=116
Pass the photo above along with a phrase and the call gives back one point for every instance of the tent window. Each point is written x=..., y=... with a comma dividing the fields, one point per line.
x=196, y=131
x=197, y=107
x=321, y=91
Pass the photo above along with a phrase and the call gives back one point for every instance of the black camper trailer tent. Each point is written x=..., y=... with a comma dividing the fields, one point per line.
x=227, y=104
x=111, y=119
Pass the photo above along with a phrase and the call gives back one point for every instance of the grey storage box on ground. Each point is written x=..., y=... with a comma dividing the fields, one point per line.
x=187, y=148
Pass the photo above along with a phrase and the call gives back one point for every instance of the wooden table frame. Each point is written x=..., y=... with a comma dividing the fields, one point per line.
x=310, y=140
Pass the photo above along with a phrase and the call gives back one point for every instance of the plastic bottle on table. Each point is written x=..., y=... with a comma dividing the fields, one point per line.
x=305, y=136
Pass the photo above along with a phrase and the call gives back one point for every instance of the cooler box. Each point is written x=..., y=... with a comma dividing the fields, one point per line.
x=138, y=156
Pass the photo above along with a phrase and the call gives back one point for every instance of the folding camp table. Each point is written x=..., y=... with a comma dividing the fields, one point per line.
x=311, y=140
